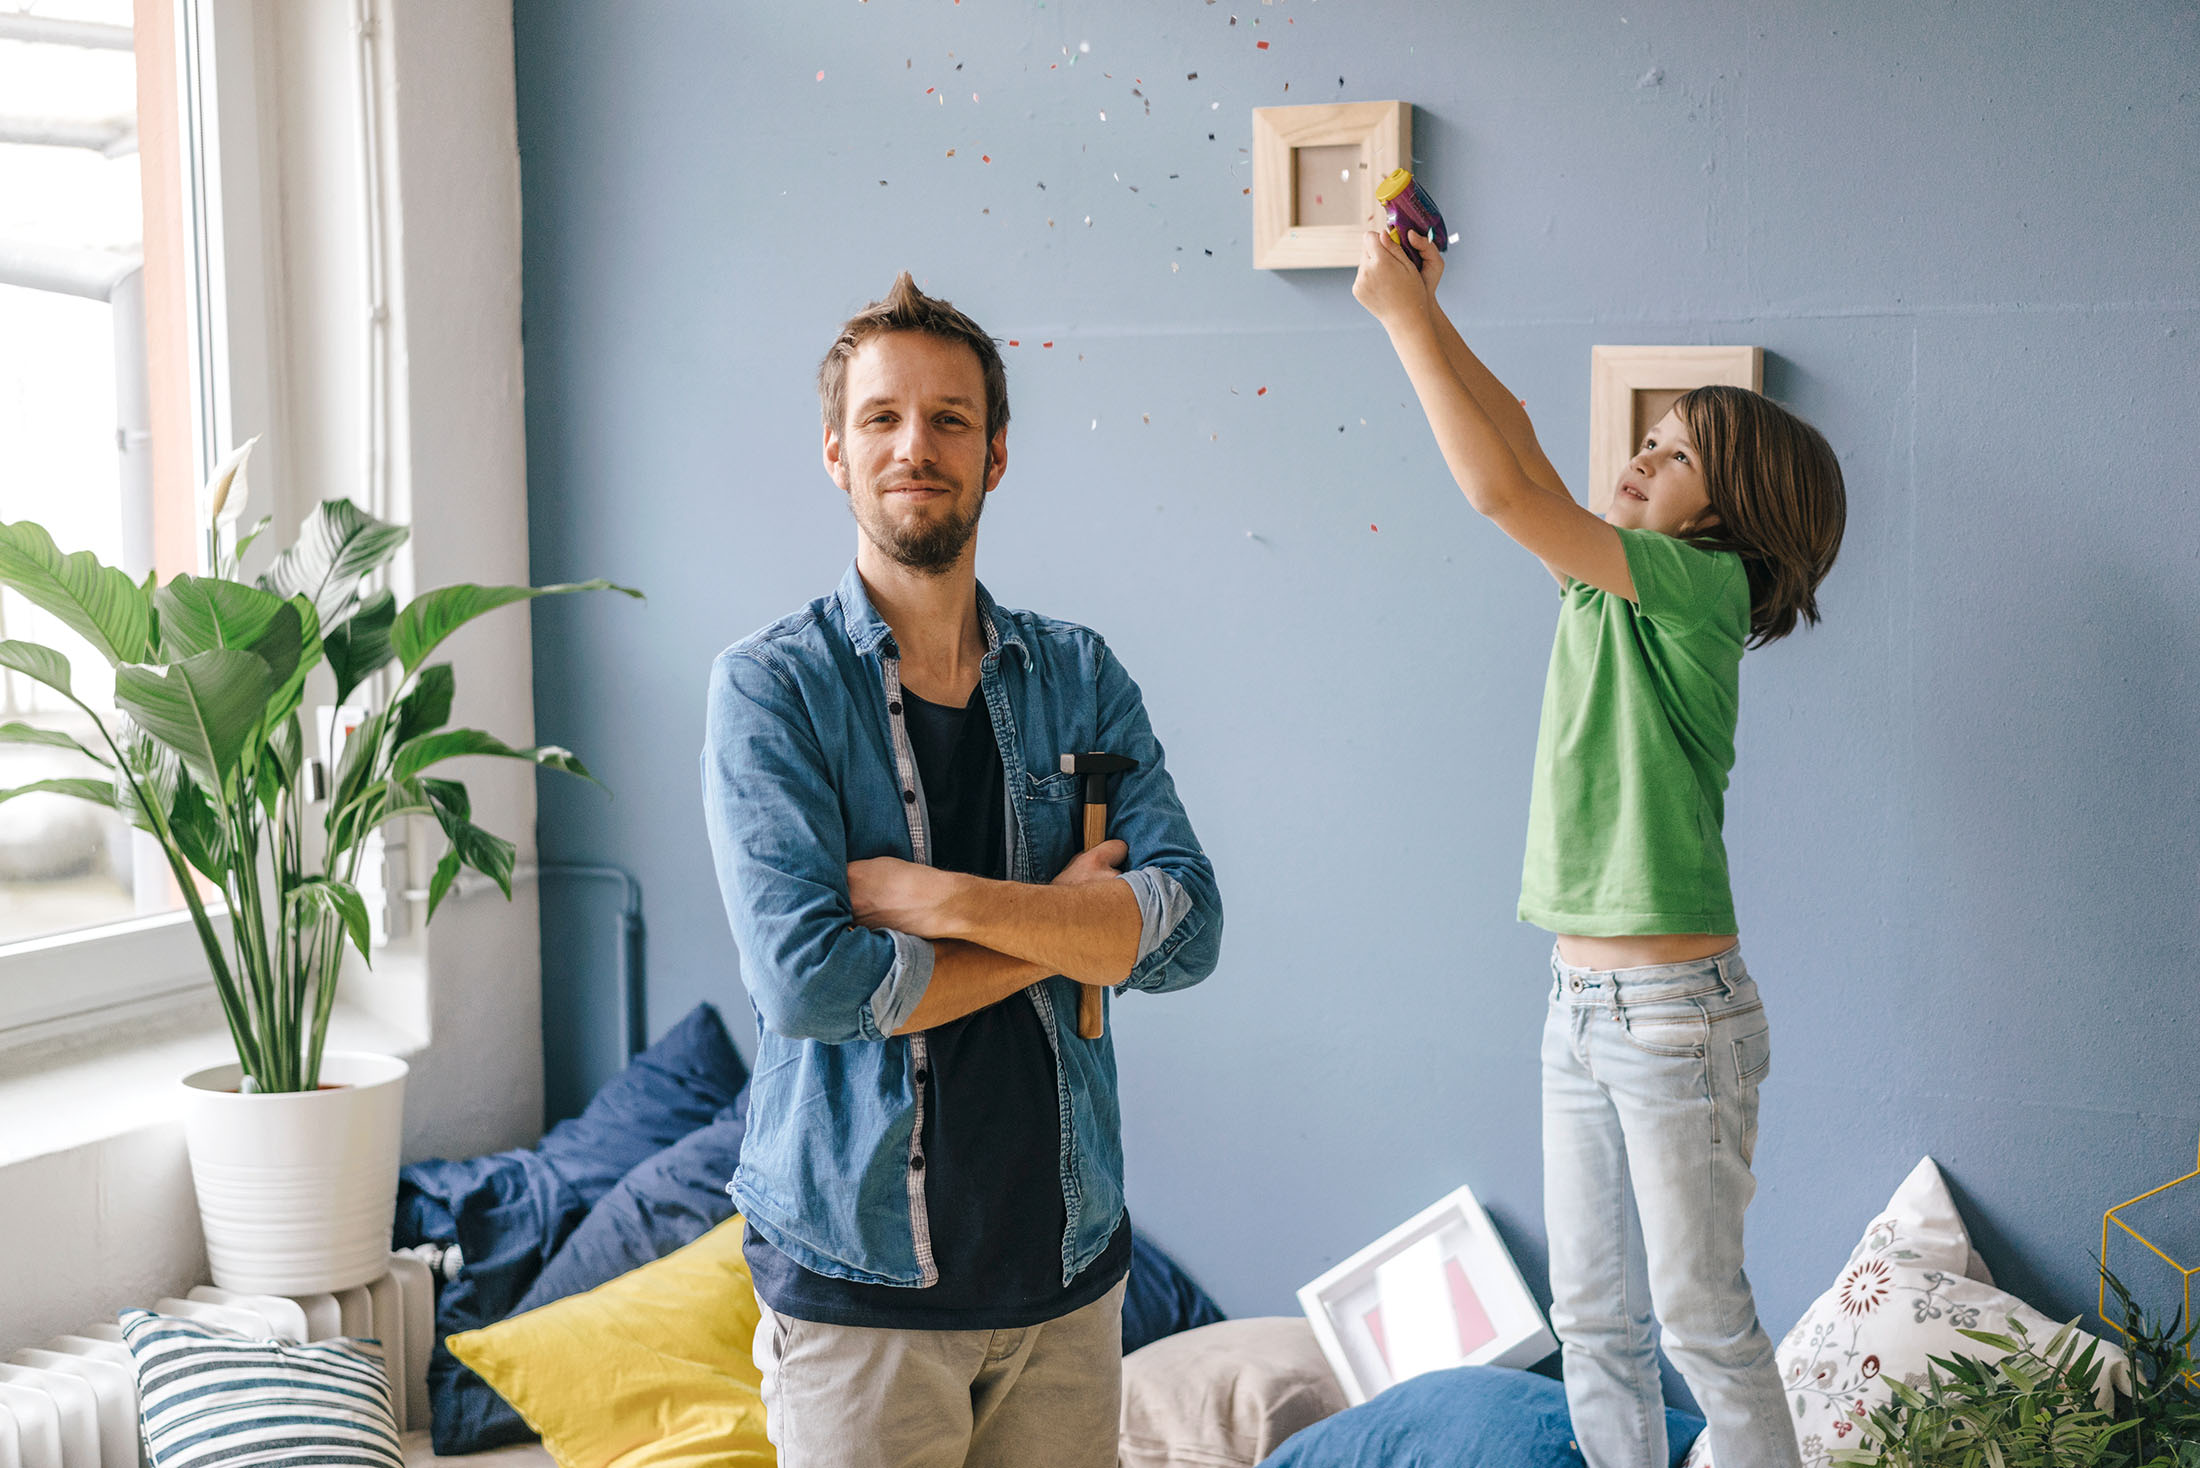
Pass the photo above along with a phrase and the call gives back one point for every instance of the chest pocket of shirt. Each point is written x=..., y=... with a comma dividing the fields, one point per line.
x=1052, y=811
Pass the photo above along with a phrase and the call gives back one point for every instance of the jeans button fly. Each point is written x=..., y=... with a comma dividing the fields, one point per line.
x=1575, y=983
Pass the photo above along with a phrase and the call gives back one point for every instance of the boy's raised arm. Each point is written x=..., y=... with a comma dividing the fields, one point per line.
x=1565, y=537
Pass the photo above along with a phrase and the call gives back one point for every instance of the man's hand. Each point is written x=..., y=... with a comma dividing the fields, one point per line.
x=1388, y=285
x=887, y=892
x=1100, y=864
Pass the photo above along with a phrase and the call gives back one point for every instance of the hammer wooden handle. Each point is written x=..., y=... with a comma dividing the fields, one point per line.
x=1092, y=1014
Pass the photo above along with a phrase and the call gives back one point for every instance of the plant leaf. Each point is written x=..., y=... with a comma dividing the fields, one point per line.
x=338, y=546
x=428, y=749
x=17, y=732
x=446, y=872
x=360, y=644
x=40, y=663
x=339, y=900
x=98, y=792
x=100, y=604
x=428, y=706
x=492, y=856
x=432, y=616
x=244, y=541
x=277, y=648
x=204, y=707
x=201, y=613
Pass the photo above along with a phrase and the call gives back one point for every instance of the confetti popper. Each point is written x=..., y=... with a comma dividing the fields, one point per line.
x=1410, y=208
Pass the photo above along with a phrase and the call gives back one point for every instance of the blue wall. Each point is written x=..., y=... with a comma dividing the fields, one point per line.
x=1964, y=818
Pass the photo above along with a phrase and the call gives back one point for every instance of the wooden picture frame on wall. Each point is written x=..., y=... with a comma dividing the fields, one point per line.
x=1314, y=176
x=1630, y=388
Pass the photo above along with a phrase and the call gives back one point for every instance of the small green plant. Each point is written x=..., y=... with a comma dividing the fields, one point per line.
x=2038, y=1406
x=206, y=750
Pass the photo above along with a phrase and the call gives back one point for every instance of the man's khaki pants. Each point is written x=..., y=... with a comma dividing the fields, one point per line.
x=1047, y=1396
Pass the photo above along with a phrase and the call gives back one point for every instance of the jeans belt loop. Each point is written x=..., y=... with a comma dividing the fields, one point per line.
x=1613, y=981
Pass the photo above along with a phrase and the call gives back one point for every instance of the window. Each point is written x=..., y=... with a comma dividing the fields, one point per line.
x=105, y=379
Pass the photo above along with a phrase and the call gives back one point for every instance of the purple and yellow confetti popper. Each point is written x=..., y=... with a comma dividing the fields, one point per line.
x=1410, y=208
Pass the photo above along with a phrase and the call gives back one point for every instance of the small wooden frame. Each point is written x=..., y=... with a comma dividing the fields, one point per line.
x=1300, y=221
x=1630, y=389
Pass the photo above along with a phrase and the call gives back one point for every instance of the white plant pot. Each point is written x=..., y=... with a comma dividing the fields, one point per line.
x=297, y=1190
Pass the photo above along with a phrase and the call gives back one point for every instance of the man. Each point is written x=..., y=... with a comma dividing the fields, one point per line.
x=933, y=1175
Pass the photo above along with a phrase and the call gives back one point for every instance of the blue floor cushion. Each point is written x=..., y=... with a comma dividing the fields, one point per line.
x=1468, y=1417
x=670, y=1200
x=511, y=1213
x=1161, y=1299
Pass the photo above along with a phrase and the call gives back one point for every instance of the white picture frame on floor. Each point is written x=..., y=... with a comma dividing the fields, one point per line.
x=1439, y=1290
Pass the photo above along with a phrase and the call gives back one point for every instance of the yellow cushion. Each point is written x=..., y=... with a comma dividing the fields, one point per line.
x=652, y=1370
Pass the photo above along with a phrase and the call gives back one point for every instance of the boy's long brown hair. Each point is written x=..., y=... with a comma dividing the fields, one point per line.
x=1776, y=487
x=908, y=309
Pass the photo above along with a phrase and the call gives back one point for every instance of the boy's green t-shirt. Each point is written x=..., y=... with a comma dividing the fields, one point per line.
x=1637, y=739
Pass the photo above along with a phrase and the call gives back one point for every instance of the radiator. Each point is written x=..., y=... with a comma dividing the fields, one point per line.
x=72, y=1403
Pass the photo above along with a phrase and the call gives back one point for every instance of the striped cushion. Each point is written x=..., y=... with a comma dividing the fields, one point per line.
x=209, y=1395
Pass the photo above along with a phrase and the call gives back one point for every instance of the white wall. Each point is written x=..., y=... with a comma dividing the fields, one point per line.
x=101, y=1216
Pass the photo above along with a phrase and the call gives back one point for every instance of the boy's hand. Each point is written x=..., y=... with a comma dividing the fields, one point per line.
x=1432, y=260
x=1388, y=285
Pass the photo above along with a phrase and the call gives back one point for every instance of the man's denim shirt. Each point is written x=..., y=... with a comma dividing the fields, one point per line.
x=807, y=767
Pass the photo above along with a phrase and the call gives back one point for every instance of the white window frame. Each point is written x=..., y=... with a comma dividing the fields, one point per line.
x=65, y=986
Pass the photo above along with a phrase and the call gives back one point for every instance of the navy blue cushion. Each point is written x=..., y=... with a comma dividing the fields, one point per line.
x=1468, y=1417
x=1160, y=1298
x=511, y=1212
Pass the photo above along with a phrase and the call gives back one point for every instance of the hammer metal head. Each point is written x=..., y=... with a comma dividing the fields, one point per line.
x=1093, y=762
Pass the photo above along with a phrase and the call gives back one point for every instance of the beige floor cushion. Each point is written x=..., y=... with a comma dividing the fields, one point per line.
x=1224, y=1395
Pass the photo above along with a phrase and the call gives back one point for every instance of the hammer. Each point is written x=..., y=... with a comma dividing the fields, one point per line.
x=1092, y=1020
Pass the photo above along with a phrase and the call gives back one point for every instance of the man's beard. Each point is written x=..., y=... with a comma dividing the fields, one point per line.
x=926, y=546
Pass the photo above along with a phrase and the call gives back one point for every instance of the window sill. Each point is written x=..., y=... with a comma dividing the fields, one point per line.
x=126, y=1081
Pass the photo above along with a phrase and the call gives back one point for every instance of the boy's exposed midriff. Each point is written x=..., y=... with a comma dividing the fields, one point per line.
x=1642, y=951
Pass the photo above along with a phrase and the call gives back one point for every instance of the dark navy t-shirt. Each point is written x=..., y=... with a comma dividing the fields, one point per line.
x=992, y=1140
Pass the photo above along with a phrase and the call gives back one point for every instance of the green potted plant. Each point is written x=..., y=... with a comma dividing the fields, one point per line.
x=2041, y=1405
x=294, y=1150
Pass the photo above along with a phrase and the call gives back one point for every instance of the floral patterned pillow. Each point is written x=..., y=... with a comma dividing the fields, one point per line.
x=1912, y=1283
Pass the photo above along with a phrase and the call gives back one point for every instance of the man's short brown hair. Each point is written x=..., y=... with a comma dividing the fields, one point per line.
x=908, y=309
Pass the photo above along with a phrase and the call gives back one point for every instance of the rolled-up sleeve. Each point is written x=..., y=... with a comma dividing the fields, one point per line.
x=1180, y=907
x=780, y=845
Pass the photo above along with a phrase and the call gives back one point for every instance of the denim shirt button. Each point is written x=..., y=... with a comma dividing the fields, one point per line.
x=923, y=1075
x=894, y=708
x=916, y=1163
x=909, y=797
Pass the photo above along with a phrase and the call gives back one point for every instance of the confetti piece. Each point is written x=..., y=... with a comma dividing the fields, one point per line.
x=1376, y=528
x=1262, y=46
x=1262, y=393
x=1454, y=238
x=1211, y=106
x=1014, y=343
x=1191, y=76
x=1046, y=344
x=1174, y=267
x=1146, y=417
x=821, y=76
x=1085, y=47
x=985, y=158
x=1244, y=191
x=1088, y=221
x=950, y=152
x=1103, y=117
x=928, y=91
x=1095, y=425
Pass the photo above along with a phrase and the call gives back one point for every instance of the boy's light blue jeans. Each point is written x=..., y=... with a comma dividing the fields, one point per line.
x=1650, y=1080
